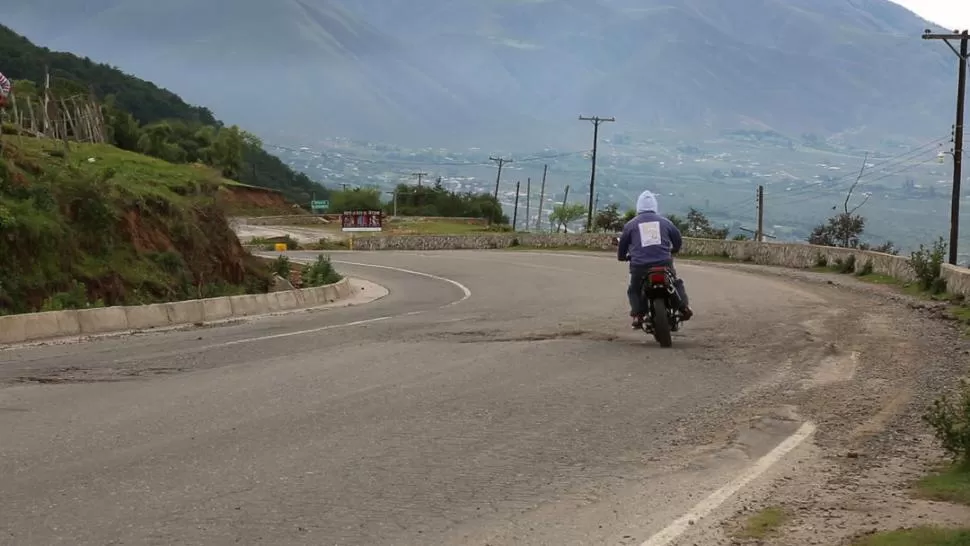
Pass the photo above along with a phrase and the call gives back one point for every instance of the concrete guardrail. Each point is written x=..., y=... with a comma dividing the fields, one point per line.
x=793, y=255
x=57, y=324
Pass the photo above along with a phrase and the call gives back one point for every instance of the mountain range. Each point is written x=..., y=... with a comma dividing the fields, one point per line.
x=509, y=73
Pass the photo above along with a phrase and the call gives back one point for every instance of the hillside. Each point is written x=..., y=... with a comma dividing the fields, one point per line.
x=102, y=226
x=505, y=73
x=146, y=103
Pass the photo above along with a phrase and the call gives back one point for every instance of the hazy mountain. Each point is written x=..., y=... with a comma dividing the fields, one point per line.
x=519, y=71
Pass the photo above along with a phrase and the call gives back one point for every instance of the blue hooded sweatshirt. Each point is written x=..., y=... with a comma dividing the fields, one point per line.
x=649, y=238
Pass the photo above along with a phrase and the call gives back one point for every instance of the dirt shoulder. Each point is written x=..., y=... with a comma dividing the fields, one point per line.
x=894, y=355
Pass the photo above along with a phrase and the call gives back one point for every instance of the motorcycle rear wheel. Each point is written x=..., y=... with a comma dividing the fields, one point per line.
x=661, y=323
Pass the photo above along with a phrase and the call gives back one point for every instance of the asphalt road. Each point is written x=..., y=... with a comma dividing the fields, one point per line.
x=527, y=412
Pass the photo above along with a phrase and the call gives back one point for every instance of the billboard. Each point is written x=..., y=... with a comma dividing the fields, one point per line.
x=361, y=220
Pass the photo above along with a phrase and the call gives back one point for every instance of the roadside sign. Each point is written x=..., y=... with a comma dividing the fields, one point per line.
x=319, y=206
x=280, y=247
x=361, y=220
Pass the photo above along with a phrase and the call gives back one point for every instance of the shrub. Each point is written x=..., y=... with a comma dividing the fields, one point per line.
x=847, y=265
x=951, y=424
x=866, y=269
x=281, y=266
x=320, y=272
x=821, y=260
x=927, y=264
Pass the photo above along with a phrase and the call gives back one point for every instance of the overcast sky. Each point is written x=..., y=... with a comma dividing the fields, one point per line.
x=951, y=14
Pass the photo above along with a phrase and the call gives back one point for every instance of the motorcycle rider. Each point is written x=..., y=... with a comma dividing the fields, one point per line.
x=650, y=240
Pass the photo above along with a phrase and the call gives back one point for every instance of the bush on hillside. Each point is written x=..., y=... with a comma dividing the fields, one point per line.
x=320, y=272
x=281, y=266
x=950, y=421
x=927, y=264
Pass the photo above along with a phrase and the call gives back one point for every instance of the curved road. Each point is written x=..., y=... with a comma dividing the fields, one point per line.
x=524, y=413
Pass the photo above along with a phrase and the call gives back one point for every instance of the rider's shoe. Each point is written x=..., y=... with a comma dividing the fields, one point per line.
x=637, y=322
x=686, y=313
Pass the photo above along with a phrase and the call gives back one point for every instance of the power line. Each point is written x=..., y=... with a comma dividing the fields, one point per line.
x=592, y=174
x=811, y=190
x=420, y=176
x=963, y=55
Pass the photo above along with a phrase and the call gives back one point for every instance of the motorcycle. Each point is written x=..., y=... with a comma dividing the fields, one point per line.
x=659, y=297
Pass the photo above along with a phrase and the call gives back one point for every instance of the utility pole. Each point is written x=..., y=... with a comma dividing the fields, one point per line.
x=565, y=198
x=542, y=196
x=963, y=55
x=420, y=177
x=394, y=193
x=528, y=194
x=515, y=213
x=592, y=174
x=760, y=235
x=498, y=177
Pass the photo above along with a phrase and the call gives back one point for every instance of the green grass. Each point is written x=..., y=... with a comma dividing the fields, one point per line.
x=763, y=524
x=951, y=484
x=138, y=170
x=921, y=536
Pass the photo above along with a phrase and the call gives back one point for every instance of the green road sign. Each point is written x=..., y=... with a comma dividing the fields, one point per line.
x=319, y=206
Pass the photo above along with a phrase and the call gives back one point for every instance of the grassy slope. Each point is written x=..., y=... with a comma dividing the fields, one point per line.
x=147, y=102
x=132, y=229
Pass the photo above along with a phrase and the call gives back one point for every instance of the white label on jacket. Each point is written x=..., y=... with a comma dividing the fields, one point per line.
x=650, y=233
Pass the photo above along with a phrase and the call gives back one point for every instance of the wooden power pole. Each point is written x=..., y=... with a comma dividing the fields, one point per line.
x=528, y=193
x=542, y=196
x=565, y=198
x=515, y=212
x=592, y=174
x=964, y=55
x=760, y=235
x=498, y=177
x=420, y=177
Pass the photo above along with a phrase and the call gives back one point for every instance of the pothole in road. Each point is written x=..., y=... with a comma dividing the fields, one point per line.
x=495, y=336
x=88, y=375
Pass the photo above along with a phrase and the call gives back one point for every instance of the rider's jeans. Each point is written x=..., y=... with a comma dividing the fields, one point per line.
x=637, y=273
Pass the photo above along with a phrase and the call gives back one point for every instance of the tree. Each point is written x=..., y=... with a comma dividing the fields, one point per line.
x=608, y=219
x=436, y=200
x=842, y=230
x=565, y=214
x=697, y=225
x=845, y=229
x=227, y=151
x=356, y=199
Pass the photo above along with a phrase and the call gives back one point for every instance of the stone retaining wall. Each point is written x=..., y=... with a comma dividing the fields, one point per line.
x=782, y=254
x=289, y=220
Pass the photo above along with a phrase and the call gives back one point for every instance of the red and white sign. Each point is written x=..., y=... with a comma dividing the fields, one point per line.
x=5, y=86
x=361, y=220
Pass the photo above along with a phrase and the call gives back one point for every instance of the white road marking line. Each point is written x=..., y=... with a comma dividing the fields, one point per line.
x=463, y=288
x=717, y=498
x=465, y=291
